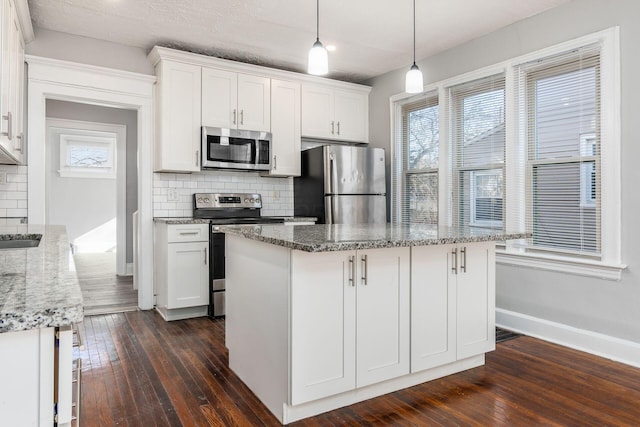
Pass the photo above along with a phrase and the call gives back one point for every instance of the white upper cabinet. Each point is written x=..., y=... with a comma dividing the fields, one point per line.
x=285, y=128
x=11, y=86
x=178, y=112
x=338, y=114
x=235, y=100
x=196, y=90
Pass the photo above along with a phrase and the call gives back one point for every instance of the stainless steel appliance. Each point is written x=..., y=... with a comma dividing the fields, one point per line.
x=342, y=185
x=235, y=149
x=221, y=209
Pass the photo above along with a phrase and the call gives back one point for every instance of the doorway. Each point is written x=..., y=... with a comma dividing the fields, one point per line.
x=50, y=79
x=91, y=189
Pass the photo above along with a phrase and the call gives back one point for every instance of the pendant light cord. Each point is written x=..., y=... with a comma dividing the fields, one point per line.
x=318, y=20
x=414, y=32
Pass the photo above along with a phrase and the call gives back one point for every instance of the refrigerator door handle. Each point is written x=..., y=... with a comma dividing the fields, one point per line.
x=333, y=175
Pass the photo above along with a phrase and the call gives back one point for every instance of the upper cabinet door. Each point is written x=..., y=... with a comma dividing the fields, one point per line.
x=285, y=128
x=254, y=102
x=219, y=98
x=317, y=112
x=178, y=94
x=351, y=116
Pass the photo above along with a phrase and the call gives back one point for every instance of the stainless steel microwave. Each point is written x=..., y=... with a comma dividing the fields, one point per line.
x=235, y=149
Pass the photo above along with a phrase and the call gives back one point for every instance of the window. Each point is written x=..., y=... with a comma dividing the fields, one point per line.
x=478, y=147
x=486, y=198
x=87, y=154
x=532, y=143
x=418, y=142
x=562, y=109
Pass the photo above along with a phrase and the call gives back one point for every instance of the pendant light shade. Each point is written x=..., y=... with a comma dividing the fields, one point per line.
x=318, y=59
x=413, y=81
x=318, y=56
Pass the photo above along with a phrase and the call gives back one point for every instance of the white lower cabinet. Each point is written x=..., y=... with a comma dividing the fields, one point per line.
x=362, y=298
x=182, y=270
x=452, y=303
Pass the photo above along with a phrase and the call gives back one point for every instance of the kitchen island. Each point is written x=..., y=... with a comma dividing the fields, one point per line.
x=324, y=316
x=40, y=298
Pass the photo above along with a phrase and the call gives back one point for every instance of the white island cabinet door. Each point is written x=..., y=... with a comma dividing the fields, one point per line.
x=323, y=334
x=433, y=307
x=254, y=103
x=188, y=274
x=219, y=98
x=382, y=314
x=476, y=299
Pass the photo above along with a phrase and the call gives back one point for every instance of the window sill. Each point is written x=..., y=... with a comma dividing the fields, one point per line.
x=83, y=174
x=561, y=264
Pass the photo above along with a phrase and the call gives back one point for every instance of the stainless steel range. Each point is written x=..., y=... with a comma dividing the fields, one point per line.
x=225, y=209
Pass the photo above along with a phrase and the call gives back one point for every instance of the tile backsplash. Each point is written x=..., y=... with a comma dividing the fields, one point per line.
x=13, y=192
x=277, y=193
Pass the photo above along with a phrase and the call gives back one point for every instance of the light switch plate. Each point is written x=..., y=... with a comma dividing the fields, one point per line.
x=172, y=195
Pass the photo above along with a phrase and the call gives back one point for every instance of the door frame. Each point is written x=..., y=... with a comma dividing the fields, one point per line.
x=68, y=81
x=121, y=177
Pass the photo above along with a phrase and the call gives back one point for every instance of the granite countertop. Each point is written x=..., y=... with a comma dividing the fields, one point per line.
x=38, y=286
x=190, y=220
x=342, y=237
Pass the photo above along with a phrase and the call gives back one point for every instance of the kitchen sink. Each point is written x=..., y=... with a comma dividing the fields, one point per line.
x=19, y=242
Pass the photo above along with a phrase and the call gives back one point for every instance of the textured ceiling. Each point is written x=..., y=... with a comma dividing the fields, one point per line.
x=371, y=36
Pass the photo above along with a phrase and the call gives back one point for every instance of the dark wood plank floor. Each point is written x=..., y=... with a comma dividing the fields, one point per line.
x=103, y=291
x=139, y=370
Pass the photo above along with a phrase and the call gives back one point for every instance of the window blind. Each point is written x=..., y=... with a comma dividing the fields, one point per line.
x=477, y=123
x=560, y=99
x=415, y=177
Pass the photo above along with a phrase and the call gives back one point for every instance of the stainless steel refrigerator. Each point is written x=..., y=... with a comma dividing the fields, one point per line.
x=342, y=185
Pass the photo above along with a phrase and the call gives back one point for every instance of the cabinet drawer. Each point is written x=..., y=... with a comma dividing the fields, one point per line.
x=188, y=233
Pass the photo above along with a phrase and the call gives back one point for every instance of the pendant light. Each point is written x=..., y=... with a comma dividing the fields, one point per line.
x=318, y=57
x=413, y=82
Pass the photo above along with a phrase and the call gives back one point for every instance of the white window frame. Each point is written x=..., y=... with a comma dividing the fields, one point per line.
x=473, y=197
x=587, y=169
x=610, y=264
x=88, y=139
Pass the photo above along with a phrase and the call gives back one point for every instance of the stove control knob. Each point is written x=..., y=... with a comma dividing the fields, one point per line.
x=206, y=200
x=246, y=200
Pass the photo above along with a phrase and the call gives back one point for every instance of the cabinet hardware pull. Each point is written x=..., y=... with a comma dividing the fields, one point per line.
x=351, y=268
x=78, y=392
x=364, y=268
x=275, y=162
x=463, y=266
x=454, y=261
x=338, y=128
x=9, y=119
x=188, y=233
x=242, y=116
x=79, y=344
x=20, y=148
x=205, y=256
x=234, y=116
x=332, y=127
x=197, y=157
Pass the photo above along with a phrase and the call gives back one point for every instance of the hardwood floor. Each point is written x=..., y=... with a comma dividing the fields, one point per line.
x=139, y=370
x=103, y=291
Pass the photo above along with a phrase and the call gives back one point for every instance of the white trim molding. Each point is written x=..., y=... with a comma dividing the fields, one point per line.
x=68, y=81
x=606, y=346
x=24, y=17
x=567, y=265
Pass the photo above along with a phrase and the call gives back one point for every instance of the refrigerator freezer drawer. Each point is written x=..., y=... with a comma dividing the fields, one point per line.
x=356, y=209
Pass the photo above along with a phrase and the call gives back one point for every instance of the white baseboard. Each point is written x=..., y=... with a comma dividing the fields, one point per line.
x=606, y=346
x=129, y=269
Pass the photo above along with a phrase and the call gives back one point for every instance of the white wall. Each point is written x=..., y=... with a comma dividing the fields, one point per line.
x=99, y=114
x=85, y=50
x=606, y=307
